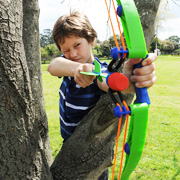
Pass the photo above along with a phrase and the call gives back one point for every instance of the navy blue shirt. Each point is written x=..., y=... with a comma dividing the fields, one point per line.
x=75, y=102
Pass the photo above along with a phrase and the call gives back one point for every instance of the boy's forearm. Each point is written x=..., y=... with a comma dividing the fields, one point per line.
x=62, y=67
x=103, y=85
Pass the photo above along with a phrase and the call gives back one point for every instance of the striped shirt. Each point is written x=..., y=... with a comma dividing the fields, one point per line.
x=75, y=102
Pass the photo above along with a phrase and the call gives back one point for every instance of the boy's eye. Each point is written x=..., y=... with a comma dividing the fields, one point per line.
x=65, y=51
x=77, y=45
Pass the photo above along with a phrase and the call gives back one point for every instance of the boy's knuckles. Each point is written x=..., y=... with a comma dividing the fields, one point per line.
x=153, y=67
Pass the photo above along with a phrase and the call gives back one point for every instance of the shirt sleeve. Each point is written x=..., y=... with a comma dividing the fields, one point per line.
x=104, y=68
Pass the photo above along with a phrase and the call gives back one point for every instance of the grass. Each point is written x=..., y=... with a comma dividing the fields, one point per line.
x=51, y=89
x=161, y=156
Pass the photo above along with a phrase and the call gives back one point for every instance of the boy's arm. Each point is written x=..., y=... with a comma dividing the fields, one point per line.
x=63, y=67
x=103, y=85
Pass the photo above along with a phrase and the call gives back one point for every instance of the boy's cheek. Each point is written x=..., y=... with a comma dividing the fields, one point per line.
x=66, y=55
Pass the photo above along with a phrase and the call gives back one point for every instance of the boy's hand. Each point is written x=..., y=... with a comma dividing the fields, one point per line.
x=143, y=77
x=81, y=79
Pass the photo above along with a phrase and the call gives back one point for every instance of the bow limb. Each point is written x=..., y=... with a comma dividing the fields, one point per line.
x=139, y=110
x=136, y=138
x=132, y=27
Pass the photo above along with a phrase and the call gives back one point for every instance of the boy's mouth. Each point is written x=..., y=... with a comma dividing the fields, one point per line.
x=76, y=60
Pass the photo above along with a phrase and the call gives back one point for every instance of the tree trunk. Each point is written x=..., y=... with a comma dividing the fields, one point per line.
x=89, y=151
x=24, y=141
x=147, y=11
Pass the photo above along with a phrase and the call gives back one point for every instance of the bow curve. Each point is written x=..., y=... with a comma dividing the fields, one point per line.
x=136, y=48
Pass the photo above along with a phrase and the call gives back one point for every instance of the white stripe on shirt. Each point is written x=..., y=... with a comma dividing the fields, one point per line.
x=68, y=124
x=76, y=107
x=62, y=94
x=78, y=86
x=103, y=70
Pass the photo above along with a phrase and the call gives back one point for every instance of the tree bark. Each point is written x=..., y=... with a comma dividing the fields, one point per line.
x=147, y=11
x=24, y=142
x=89, y=151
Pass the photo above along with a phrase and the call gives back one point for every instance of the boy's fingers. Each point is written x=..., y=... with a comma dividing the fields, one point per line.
x=131, y=62
x=88, y=68
x=147, y=77
x=144, y=70
x=147, y=61
x=150, y=59
x=147, y=84
x=84, y=80
x=81, y=82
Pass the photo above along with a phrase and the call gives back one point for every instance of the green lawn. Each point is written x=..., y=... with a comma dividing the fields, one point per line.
x=51, y=89
x=161, y=156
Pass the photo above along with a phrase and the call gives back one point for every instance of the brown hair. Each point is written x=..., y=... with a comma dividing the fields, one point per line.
x=75, y=24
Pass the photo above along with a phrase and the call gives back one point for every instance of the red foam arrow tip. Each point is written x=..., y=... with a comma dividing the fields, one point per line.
x=118, y=81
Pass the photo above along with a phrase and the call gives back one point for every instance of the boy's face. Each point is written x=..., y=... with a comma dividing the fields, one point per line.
x=77, y=49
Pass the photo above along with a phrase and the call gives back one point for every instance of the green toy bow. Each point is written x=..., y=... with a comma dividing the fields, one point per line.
x=139, y=110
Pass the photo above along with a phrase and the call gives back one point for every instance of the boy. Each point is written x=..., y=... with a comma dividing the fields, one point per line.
x=74, y=36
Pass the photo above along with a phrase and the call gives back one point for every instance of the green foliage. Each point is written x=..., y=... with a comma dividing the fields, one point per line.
x=46, y=38
x=44, y=53
x=48, y=49
x=52, y=50
x=177, y=51
x=105, y=48
x=167, y=46
x=49, y=52
x=161, y=155
x=175, y=40
x=96, y=51
x=112, y=42
x=153, y=45
x=107, y=45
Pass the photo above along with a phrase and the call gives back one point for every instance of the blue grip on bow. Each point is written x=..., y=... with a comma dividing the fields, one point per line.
x=141, y=93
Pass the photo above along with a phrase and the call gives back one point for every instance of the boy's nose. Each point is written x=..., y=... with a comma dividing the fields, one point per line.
x=73, y=54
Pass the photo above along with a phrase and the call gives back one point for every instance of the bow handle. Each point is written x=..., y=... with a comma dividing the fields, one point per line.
x=141, y=93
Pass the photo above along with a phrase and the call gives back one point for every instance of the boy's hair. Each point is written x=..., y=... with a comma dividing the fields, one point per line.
x=75, y=24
